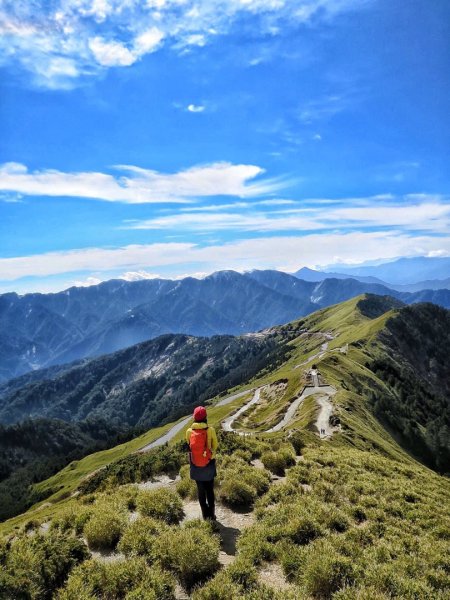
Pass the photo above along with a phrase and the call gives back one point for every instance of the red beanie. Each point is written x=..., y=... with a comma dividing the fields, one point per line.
x=200, y=413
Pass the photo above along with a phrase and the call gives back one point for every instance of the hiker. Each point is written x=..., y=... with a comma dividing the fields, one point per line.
x=202, y=442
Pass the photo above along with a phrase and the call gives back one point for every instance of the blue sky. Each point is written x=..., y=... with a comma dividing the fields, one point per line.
x=174, y=137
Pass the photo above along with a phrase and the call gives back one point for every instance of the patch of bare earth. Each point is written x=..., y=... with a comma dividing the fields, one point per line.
x=158, y=482
x=272, y=575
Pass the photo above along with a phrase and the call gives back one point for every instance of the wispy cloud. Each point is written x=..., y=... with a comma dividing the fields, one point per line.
x=60, y=41
x=140, y=185
x=286, y=253
x=409, y=213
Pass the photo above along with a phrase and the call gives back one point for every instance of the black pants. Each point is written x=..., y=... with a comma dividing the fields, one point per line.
x=206, y=498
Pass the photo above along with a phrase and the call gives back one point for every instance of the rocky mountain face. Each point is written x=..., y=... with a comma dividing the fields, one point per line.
x=40, y=330
x=143, y=385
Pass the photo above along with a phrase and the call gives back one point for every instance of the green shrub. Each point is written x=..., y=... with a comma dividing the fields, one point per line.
x=187, y=488
x=104, y=528
x=36, y=566
x=292, y=559
x=118, y=580
x=336, y=520
x=392, y=581
x=361, y=593
x=136, y=467
x=243, y=573
x=161, y=504
x=125, y=496
x=274, y=461
x=191, y=552
x=71, y=518
x=240, y=483
x=326, y=571
x=303, y=529
x=237, y=492
x=253, y=544
x=31, y=525
x=246, y=455
x=139, y=537
x=298, y=442
x=219, y=588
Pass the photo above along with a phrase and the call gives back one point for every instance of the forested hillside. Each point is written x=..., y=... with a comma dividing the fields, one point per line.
x=415, y=366
x=49, y=422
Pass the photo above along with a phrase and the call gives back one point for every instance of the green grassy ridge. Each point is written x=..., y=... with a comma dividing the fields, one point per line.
x=343, y=371
x=373, y=523
x=66, y=481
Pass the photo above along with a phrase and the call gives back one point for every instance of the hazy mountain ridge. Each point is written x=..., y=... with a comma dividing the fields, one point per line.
x=39, y=330
x=403, y=271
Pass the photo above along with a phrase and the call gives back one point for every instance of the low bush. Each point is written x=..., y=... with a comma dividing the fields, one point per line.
x=104, y=528
x=297, y=439
x=278, y=461
x=245, y=455
x=161, y=504
x=253, y=544
x=186, y=487
x=240, y=483
x=335, y=519
x=139, y=537
x=136, y=467
x=35, y=567
x=72, y=518
x=118, y=580
x=326, y=571
x=190, y=552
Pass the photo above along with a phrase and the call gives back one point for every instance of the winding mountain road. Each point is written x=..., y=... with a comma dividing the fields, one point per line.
x=322, y=423
x=179, y=426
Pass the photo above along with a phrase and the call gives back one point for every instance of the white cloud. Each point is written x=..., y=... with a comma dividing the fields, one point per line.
x=431, y=214
x=195, y=108
x=285, y=253
x=111, y=54
x=140, y=185
x=61, y=41
x=148, y=41
x=116, y=54
x=90, y=281
x=228, y=221
x=138, y=275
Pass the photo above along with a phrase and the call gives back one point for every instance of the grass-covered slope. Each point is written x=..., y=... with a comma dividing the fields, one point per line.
x=356, y=516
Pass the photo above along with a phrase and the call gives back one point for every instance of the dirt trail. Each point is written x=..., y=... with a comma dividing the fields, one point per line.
x=230, y=524
x=323, y=420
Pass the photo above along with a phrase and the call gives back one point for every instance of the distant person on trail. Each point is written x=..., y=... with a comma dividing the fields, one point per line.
x=203, y=444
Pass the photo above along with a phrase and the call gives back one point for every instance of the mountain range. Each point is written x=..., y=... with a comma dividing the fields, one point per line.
x=406, y=274
x=41, y=330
